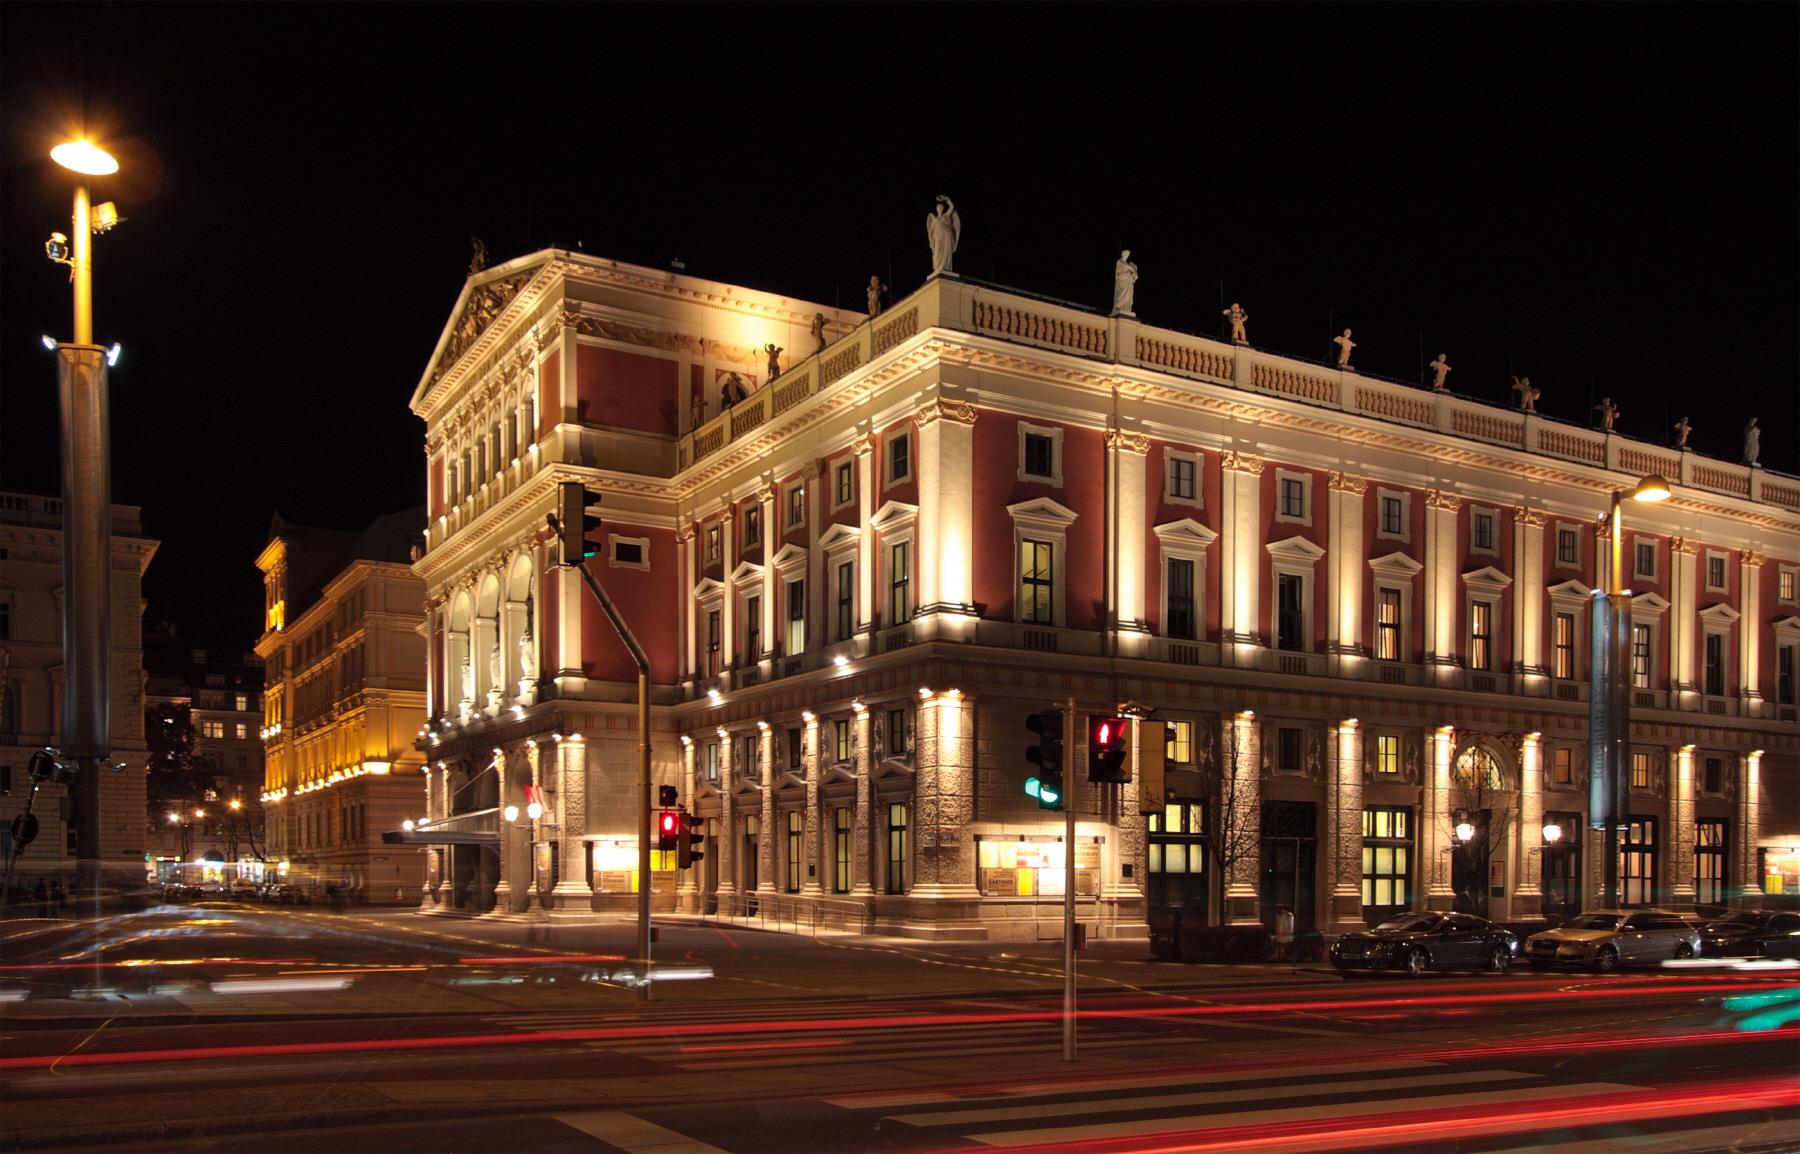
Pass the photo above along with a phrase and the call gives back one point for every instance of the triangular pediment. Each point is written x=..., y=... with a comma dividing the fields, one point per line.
x=1295, y=548
x=705, y=792
x=746, y=572
x=486, y=297
x=790, y=782
x=1395, y=564
x=891, y=768
x=745, y=787
x=1570, y=590
x=1647, y=604
x=1185, y=531
x=1042, y=511
x=1787, y=625
x=1720, y=614
x=893, y=514
x=790, y=556
x=838, y=536
x=708, y=587
x=1487, y=577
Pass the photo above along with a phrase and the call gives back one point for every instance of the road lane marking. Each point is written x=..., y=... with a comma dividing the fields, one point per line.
x=1203, y=1122
x=633, y=1134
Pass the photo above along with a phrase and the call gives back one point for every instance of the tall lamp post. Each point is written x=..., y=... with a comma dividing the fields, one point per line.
x=87, y=514
x=1609, y=693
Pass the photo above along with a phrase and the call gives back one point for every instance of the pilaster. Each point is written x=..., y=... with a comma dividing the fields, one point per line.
x=1343, y=817
x=946, y=518
x=728, y=644
x=1344, y=589
x=1441, y=661
x=766, y=836
x=1684, y=622
x=864, y=449
x=1528, y=890
x=1434, y=823
x=1679, y=838
x=687, y=646
x=811, y=884
x=771, y=535
x=1750, y=629
x=1240, y=498
x=1749, y=831
x=1126, y=455
x=944, y=797
x=1528, y=601
x=575, y=881
x=725, y=845
x=687, y=881
x=1242, y=742
x=861, y=882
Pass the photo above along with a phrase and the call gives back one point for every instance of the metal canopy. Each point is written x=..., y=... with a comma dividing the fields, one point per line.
x=477, y=827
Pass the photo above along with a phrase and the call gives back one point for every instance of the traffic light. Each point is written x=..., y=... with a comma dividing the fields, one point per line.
x=667, y=796
x=579, y=528
x=668, y=830
x=1109, y=749
x=1046, y=757
x=689, y=843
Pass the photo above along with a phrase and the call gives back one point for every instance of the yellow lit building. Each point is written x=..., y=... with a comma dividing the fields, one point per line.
x=343, y=702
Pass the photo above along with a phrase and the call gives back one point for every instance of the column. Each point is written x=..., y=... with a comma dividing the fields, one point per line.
x=1747, y=868
x=687, y=881
x=944, y=798
x=726, y=843
x=1441, y=661
x=1528, y=608
x=1683, y=622
x=864, y=448
x=1343, y=835
x=861, y=883
x=569, y=674
x=1127, y=510
x=509, y=835
x=1434, y=823
x=1528, y=889
x=1678, y=840
x=575, y=884
x=1240, y=500
x=1241, y=747
x=1344, y=594
x=767, y=838
x=771, y=589
x=1750, y=632
x=946, y=517
x=534, y=761
x=811, y=884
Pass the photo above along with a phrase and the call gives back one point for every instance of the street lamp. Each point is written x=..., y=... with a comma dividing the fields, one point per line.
x=87, y=512
x=1465, y=832
x=1609, y=689
x=1552, y=833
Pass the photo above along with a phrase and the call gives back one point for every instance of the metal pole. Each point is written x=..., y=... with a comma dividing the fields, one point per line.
x=643, y=664
x=1621, y=721
x=1068, y=801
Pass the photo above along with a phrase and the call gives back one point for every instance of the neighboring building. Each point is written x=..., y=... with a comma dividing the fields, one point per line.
x=345, y=659
x=31, y=650
x=1366, y=601
x=217, y=838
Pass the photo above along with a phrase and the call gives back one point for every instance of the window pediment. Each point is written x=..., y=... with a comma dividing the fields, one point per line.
x=746, y=572
x=1395, y=564
x=1648, y=604
x=1186, y=532
x=789, y=780
x=893, y=769
x=706, y=792
x=839, y=536
x=1570, y=590
x=790, y=556
x=1486, y=579
x=1296, y=549
x=894, y=515
x=707, y=588
x=1719, y=615
x=1042, y=513
x=837, y=775
x=746, y=787
x=1788, y=628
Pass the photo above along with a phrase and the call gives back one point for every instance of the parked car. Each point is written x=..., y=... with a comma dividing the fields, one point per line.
x=1420, y=942
x=1608, y=939
x=1753, y=933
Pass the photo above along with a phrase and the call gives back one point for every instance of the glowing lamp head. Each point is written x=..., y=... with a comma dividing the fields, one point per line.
x=1464, y=832
x=174, y=818
x=510, y=813
x=1552, y=832
x=534, y=811
x=1651, y=489
x=236, y=804
x=85, y=157
x=407, y=825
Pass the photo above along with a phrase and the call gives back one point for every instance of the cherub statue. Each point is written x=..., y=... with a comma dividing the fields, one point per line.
x=1609, y=413
x=1344, y=344
x=1238, y=318
x=818, y=331
x=1682, y=430
x=1528, y=396
x=774, y=359
x=1440, y=369
x=876, y=288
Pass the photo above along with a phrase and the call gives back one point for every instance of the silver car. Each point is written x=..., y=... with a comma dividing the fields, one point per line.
x=1607, y=939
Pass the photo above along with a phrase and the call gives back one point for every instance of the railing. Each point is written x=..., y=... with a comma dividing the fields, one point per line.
x=793, y=913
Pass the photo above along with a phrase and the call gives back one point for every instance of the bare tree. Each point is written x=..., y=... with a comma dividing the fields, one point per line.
x=1480, y=801
x=1233, y=821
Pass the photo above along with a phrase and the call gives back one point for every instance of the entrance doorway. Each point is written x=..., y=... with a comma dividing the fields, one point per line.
x=1289, y=859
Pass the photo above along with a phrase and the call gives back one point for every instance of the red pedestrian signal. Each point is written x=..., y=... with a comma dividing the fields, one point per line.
x=1109, y=749
x=668, y=830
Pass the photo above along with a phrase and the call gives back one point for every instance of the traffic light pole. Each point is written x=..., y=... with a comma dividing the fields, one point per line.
x=1068, y=801
x=643, y=663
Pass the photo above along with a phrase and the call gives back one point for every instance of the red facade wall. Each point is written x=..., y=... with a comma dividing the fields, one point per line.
x=847, y=515
x=435, y=483
x=550, y=386
x=625, y=390
x=1160, y=511
x=997, y=485
x=1469, y=560
x=1319, y=533
x=1413, y=624
x=642, y=598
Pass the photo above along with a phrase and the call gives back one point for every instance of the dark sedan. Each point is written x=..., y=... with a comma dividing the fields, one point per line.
x=1752, y=933
x=1417, y=943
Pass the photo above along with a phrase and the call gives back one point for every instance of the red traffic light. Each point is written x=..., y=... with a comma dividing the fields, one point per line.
x=668, y=829
x=1109, y=749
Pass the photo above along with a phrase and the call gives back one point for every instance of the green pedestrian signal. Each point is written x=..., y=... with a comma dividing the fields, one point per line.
x=1046, y=757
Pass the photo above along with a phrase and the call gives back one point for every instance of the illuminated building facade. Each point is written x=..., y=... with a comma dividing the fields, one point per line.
x=31, y=686
x=344, y=659
x=1363, y=601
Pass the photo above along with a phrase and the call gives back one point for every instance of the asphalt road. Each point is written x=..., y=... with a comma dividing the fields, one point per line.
x=196, y=1028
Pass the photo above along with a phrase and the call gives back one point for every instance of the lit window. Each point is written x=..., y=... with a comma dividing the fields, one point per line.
x=1565, y=646
x=846, y=600
x=1386, y=859
x=900, y=583
x=1387, y=754
x=1640, y=770
x=796, y=617
x=1640, y=656
x=1785, y=583
x=712, y=544
x=1562, y=765
x=1180, y=744
x=1036, y=585
x=1481, y=635
x=896, y=732
x=1387, y=625
x=841, y=738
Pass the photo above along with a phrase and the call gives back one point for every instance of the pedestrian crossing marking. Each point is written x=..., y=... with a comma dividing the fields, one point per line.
x=632, y=1134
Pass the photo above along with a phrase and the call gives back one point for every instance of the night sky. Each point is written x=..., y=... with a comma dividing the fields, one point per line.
x=1602, y=198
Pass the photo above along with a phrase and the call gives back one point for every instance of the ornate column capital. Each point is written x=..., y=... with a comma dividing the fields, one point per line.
x=1236, y=462
x=1120, y=439
x=863, y=445
x=1752, y=559
x=961, y=412
x=1684, y=546
x=1441, y=499
x=1529, y=517
x=1349, y=483
x=765, y=494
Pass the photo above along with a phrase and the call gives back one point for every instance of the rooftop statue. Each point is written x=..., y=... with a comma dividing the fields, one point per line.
x=1125, y=275
x=1609, y=413
x=943, y=228
x=1752, y=443
x=876, y=288
x=774, y=359
x=818, y=331
x=1440, y=369
x=1344, y=344
x=1682, y=429
x=1238, y=318
x=1528, y=396
x=478, y=257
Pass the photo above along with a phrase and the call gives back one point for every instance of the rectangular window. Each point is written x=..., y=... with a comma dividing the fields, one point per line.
x=1646, y=559
x=796, y=748
x=1036, y=584
x=1637, y=862
x=1181, y=478
x=1715, y=573
x=796, y=834
x=752, y=525
x=1484, y=530
x=1784, y=675
x=1040, y=456
x=1640, y=656
x=1562, y=766
x=1387, y=754
x=1785, y=583
x=1709, y=861
x=243, y=703
x=840, y=851
x=1387, y=624
x=896, y=732
x=899, y=458
x=752, y=630
x=1390, y=516
x=796, y=618
x=844, y=484
x=896, y=855
x=243, y=731
x=712, y=761
x=1287, y=749
x=212, y=729
x=900, y=583
x=712, y=544
x=1177, y=839
x=1568, y=546
x=1714, y=779
x=1386, y=860
x=5, y=622
x=1481, y=635
x=846, y=600
x=796, y=513
x=1715, y=664
x=712, y=643
x=1290, y=616
x=1640, y=769
x=1179, y=747
x=841, y=738
x=1565, y=646
x=1181, y=598
x=1293, y=497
